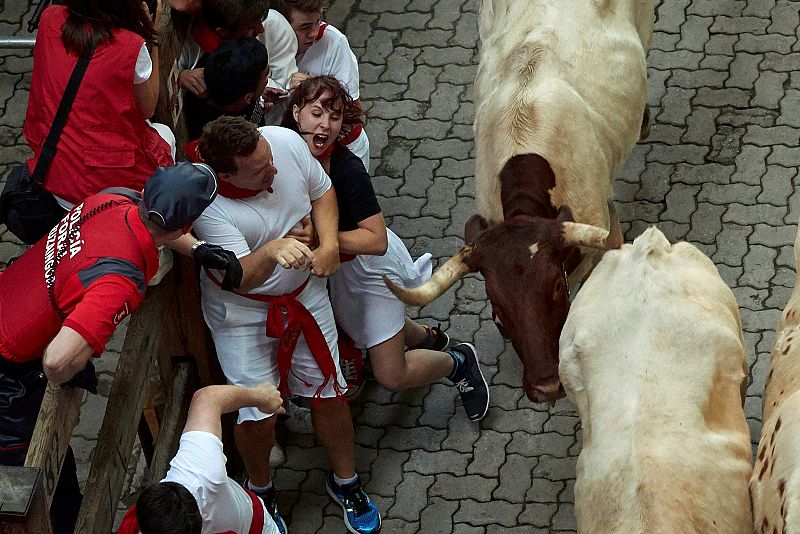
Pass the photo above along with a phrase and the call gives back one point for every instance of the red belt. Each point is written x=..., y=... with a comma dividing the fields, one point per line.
x=298, y=319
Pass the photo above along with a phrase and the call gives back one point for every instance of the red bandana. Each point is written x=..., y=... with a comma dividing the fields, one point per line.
x=205, y=37
x=321, y=31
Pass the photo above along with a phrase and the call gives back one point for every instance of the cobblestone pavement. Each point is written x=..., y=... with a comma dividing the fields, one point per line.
x=718, y=170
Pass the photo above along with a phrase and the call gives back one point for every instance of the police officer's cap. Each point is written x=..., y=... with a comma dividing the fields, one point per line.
x=176, y=196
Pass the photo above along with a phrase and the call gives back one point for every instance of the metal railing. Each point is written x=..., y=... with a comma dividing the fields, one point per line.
x=17, y=43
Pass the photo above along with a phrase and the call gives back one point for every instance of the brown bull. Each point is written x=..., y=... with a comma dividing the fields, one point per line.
x=531, y=253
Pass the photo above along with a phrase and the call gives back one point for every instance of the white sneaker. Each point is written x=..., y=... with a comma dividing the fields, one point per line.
x=297, y=419
x=276, y=456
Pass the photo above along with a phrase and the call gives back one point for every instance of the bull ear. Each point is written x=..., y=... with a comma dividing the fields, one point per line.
x=474, y=227
x=564, y=214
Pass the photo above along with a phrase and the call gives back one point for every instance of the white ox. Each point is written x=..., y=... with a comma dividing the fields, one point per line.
x=775, y=484
x=652, y=355
x=560, y=101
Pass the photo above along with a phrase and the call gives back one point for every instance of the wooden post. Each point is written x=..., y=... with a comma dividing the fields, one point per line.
x=22, y=502
x=117, y=433
x=175, y=412
x=61, y=407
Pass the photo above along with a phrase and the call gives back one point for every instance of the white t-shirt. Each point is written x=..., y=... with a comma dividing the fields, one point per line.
x=199, y=467
x=244, y=225
x=281, y=45
x=144, y=66
x=331, y=55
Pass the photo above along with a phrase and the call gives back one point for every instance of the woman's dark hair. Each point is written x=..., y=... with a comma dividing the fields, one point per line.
x=89, y=22
x=168, y=508
x=234, y=69
x=339, y=100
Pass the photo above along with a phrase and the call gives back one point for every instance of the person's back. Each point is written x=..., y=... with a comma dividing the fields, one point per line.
x=106, y=141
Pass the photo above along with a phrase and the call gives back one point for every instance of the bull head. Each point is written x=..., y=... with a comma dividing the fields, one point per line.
x=525, y=262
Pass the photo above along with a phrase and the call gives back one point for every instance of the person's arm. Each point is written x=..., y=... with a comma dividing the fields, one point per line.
x=211, y=257
x=146, y=93
x=325, y=216
x=281, y=44
x=287, y=252
x=210, y=402
x=369, y=238
x=66, y=355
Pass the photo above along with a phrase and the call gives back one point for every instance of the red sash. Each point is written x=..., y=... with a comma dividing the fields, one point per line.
x=298, y=319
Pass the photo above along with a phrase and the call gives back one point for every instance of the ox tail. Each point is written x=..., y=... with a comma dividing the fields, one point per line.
x=443, y=279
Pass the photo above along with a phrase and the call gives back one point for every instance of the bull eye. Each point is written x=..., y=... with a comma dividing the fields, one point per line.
x=559, y=289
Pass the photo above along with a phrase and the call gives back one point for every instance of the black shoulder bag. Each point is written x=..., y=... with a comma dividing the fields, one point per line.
x=26, y=209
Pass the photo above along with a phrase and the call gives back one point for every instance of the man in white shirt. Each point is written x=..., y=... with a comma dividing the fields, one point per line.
x=279, y=326
x=197, y=496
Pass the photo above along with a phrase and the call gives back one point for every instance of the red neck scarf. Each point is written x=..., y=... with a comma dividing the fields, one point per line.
x=321, y=31
x=205, y=37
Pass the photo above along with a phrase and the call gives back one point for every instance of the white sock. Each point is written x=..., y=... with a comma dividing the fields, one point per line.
x=344, y=481
x=259, y=489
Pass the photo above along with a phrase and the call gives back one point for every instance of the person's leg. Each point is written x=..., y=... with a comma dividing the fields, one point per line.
x=414, y=333
x=254, y=441
x=334, y=427
x=398, y=370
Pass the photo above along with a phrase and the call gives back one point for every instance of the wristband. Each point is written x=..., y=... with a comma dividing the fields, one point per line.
x=197, y=245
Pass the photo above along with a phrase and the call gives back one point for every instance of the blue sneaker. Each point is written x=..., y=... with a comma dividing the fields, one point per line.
x=361, y=516
x=268, y=497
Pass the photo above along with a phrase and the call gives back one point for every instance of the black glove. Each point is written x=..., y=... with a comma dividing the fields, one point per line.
x=86, y=379
x=216, y=257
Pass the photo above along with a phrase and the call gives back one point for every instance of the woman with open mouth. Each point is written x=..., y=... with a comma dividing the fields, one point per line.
x=323, y=113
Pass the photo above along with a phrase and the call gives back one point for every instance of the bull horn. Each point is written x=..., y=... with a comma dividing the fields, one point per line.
x=445, y=276
x=586, y=235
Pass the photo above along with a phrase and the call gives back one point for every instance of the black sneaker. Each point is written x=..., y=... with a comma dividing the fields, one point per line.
x=268, y=498
x=435, y=339
x=471, y=384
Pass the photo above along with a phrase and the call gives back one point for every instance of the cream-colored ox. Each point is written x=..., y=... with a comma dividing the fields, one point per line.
x=559, y=106
x=652, y=355
x=775, y=484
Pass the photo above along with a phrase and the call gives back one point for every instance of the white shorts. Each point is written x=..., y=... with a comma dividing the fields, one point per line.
x=249, y=358
x=363, y=305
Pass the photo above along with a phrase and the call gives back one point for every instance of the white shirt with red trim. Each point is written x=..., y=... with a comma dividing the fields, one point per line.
x=199, y=467
x=331, y=55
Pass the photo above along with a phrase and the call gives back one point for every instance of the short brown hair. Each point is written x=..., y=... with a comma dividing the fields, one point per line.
x=233, y=15
x=285, y=7
x=227, y=138
x=339, y=100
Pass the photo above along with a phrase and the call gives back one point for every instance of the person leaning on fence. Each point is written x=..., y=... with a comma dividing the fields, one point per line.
x=268, y=183
x=64, y=297
x=107, y=140
x=196, y=495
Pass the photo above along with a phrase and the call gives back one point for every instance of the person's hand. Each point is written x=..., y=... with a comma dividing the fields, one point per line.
x=326, y=261
x=304, y=232
x=216, y=257
x=296, y=79
x=192, y=80
x=290, y=253
x=274, y=94
x=270, y=400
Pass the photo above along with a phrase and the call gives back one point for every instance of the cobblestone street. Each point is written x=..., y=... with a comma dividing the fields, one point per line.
x=718, y=170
